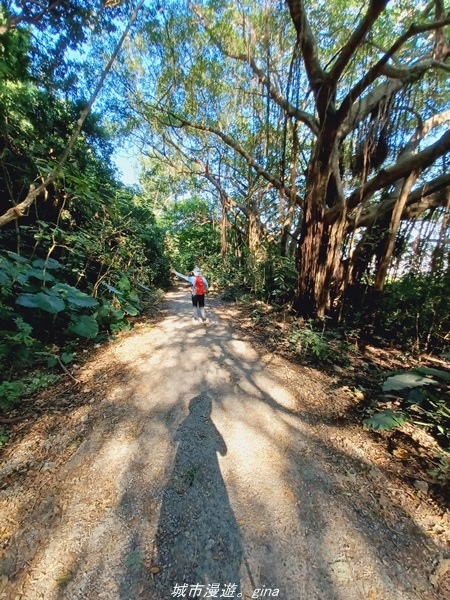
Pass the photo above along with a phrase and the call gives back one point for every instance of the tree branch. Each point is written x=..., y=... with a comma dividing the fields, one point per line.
x=376, y=7
x=364, y=106
x=20, y=209
x=275, y=94
x=429, y=195
x=316, y=75
x=415, y=71
x=390, y=175
x=13, y=21
x=377, y=69
x=234, y=145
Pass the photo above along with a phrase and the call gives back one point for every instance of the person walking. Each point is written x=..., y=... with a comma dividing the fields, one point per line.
x=199, y=287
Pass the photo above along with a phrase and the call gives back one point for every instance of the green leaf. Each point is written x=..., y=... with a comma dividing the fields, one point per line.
x=129, y=309
x=404, y=381
x=52, y=361
x=112, y=289
x=386, y=420
x=28, y=300
x=66, y=358
x=17, y=257
x=51, y=304
x=120, y=326
x=50, y=263
x=4, y=279
x=82, y=300
x=85, y=326
x=37, y=274
x=416, y=396
x=438, y=373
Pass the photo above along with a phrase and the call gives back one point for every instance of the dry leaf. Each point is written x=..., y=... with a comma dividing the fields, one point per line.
x=400, y=453
x=154, y=569
x=63, y=579
x=341, y=570
x=216, y=557
x=439, y=572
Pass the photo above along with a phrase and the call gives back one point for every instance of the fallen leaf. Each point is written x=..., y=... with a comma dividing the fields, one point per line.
x=421, y=486
x=401, y=453
x=63, y=579
x=216, y=557
x=341, y=570
x=439, y=572
x=154, y=569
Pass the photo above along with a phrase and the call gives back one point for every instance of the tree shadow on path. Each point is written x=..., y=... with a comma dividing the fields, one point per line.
x=198, y=539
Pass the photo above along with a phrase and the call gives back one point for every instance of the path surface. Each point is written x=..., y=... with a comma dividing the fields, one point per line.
x=205, y=462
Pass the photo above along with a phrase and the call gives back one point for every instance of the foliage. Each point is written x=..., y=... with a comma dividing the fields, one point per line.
x=306, y=341
x=416, y=312
x=280, y=278
x=441, y=470
x=12, y=391
x=385, y=420
x=423, y=397
x=191, y=232
x=301, y=134
x=3, y=437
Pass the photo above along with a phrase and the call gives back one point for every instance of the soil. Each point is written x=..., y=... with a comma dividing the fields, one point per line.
x=193, y=460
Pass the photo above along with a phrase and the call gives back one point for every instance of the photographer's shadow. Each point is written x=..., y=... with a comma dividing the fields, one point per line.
x=198, y=539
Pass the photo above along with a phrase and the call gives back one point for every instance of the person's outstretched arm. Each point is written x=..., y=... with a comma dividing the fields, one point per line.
x=181, y=275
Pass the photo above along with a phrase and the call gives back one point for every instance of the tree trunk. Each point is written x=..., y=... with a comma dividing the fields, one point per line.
x=380, y=276
x=320, y=243
x=224, y=225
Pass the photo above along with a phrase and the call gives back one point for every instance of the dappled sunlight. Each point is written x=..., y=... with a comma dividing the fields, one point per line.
x=206, y=464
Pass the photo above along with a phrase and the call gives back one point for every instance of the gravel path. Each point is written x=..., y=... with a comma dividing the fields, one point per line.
x=204, y=467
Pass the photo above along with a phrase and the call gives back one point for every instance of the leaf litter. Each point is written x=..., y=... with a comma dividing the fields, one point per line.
x=279, y=491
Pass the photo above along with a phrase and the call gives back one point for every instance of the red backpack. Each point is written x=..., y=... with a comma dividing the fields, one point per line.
x=199, y=286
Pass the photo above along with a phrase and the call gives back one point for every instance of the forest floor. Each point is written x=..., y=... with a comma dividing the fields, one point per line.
x=193, y=461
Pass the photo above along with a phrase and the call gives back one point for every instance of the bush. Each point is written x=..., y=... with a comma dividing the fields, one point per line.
x=416, y=312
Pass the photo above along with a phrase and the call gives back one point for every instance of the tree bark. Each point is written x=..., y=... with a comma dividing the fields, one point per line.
x=383, y=266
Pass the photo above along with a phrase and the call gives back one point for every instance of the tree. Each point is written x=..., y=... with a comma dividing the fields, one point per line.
x=329, y=105
x=20, y=209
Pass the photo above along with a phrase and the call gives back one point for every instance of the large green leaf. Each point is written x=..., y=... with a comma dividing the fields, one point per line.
x=4, y=279
x=386, y=420
x=112, y=288
x=416, y=396
x=404, y=381
x=129, y=309
x=81, y=299
x=438, y=373
x=74, y=296
x=36, y=273
x=49, y=303
x=28, y=300
x=85, y=326
x=50, y=263
x=17, y=257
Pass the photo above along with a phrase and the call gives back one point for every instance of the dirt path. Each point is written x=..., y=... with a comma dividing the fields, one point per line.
x=197, y=459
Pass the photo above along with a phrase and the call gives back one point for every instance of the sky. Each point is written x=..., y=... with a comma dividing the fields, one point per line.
x=128, y=166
